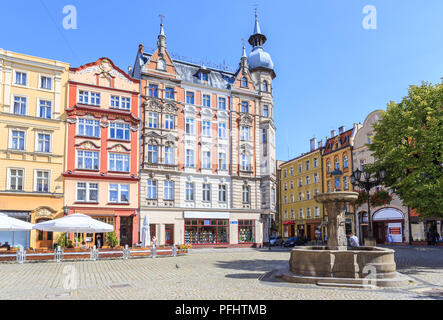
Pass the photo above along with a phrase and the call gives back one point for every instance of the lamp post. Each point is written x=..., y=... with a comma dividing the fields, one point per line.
x=364, y=182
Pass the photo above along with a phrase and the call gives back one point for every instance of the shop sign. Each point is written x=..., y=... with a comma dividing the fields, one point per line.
x=234, y=222
x=207, y=222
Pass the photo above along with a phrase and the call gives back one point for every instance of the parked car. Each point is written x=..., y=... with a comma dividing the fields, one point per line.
x=276, y=241
x=295, y=241
x=290, y=242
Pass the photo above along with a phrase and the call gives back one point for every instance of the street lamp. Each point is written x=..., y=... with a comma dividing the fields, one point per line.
x=367, y=184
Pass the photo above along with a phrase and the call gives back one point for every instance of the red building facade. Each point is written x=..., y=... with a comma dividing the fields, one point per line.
x=101, y=176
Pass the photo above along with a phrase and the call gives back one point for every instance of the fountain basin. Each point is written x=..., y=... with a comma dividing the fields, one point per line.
x=372, y=266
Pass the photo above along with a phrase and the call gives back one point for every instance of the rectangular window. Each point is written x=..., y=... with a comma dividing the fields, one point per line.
x=119, y=193
x=245, y=162
x=245, y=133
x=152, y=154
x=206, y=192
x=315, y=162
x=308, y=195
x=169, y=155
x=315, y=177
x=307, y=165
x=16, y=179
x=87, y=160
x=20, y=105
x=206, y=128
x=126, y=103
x=89, y=128
x=206, y=100
x=222, y=130
x=244, y=107
x=20, y=78
x=152, y=119
x=119, y=162
x=42, y=181
x=189, y=158
x=189, y=191
x=300, y=213
x=206, y=163
x=337, y=183
x=308, y=212
x=266, y=111
x=169, y=121
x=189, y=97
x=246, y=231
x=83, y=97
x=189, y=126
x=300, y=167
x=222, y=193
x=45, y=109
x=45, y=83
x=95, y=99
x=308, y=180
x=152, y=189
x=43, y=142
x=317, y=211
x=245, y=194
x=222, y=161
x=168, y=192
x=115, y=102
x=17, y=140
x=169, y=93
x=119, y=131
x=222, y=103
x=87, y=192
x=153, y=90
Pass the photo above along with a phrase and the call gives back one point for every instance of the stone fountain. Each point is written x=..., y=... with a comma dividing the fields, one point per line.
x=335, y=264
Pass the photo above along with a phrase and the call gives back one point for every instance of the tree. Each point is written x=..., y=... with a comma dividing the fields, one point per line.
x=408, y=143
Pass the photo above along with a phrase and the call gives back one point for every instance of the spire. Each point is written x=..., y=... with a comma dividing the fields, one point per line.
x=161, y=43
x=257, y=25
x=257, y=39
x=244, y=59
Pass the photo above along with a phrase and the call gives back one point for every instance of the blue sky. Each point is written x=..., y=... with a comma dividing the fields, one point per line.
x=330, y=70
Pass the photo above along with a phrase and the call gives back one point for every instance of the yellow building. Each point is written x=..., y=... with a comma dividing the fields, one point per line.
x=33, y=96
x=301, y=180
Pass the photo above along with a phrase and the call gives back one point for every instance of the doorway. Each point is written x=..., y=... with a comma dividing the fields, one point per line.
x=126, y=231
x=44, y=238
x=169, y=234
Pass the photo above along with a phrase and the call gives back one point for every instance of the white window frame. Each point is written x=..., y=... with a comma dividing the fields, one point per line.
x=36, y=171
x=39, y=102
x=88, y=192
x=9, y=178
x=37, y=141
x=153, y=187
x=119, y=192
x=14, y=80
x=26, y=104
x=11, y=137
x=40, y=82
x=168, y=190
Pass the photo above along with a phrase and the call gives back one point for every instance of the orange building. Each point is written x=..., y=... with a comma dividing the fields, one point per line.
x=337, y=167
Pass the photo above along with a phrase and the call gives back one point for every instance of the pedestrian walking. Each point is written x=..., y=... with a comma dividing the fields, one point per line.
x=353, y=240
x=154, y=241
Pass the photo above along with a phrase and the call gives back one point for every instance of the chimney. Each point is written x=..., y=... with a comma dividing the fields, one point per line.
x=313, y=143
x=333, y=133
x=341, y=129
x=140, y=48
x=320, y=144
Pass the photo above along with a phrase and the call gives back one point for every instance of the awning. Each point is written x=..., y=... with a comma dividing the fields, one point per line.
x=17, y=214
x=388, y=214
x=205, y=215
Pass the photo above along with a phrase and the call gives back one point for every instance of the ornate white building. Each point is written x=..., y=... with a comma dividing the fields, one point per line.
x=208, y=174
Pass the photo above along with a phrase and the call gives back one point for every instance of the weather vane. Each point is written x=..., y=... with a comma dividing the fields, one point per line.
x=161, y=18
x=243, y=41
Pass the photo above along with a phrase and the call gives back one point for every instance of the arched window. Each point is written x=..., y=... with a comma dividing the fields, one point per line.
x=337, y=164
x=345, y=161
x=244, y=82
x=161, y=64
x=265, y=86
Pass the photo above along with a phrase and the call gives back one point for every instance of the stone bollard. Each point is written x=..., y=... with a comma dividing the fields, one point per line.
x=58, y=254
x=21, y=255
x=94, y=253
x=174, y=250
x=126, y=252
x=153, y=252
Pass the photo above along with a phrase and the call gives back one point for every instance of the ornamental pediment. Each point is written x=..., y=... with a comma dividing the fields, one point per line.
x=170, y=108
x=88, y=145
x=153, y=105
x=246, y=148
x=152, y=134
x=119, y=148
x=246, y=120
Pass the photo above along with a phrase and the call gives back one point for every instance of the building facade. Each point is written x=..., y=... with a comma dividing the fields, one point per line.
x=301, y=180
x=208, y=148
x=102, y=167
x=32, y=102
x=338, y=167
x=391, y=219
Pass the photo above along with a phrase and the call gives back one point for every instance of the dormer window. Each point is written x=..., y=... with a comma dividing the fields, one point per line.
x=244, y=82
x=203, y=76
x=161, y=64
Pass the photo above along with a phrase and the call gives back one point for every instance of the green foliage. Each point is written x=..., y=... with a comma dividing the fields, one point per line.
x=111, y=238
x=408, y=143
x=380, y=198
x=62, y=241
x=362, y=198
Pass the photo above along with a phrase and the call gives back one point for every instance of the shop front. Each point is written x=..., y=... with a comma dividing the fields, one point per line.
x=16, y=237
x=288, y=229
x=313, y=230
x=206, y=231
x=389, y=226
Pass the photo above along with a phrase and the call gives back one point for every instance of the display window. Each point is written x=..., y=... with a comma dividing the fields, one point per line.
x=206, y=231
x=246, y=231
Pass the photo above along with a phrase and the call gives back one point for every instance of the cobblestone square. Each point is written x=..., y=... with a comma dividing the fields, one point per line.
x=206, y=274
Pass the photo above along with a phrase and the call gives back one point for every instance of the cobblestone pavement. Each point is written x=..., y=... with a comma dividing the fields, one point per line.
x=206, y=274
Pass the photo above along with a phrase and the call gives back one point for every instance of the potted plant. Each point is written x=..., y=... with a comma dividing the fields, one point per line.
x=111, y=238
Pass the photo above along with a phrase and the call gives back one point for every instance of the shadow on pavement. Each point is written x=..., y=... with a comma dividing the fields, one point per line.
x=253, y=265
x=244, y=275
